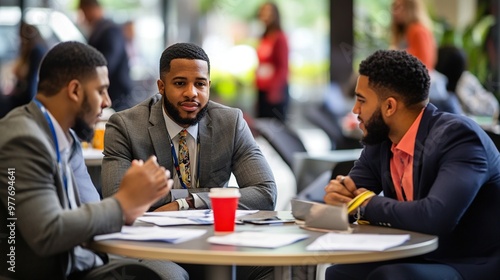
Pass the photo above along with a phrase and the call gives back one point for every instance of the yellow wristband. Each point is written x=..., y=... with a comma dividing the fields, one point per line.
x=358, y=200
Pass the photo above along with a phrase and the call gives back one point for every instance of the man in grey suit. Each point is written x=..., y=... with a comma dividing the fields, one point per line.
x=47, y=225
x=219, y=140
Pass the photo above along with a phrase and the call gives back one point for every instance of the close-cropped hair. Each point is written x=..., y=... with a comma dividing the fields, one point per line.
x=182, y=51
x=65, y=62
x=396, y=72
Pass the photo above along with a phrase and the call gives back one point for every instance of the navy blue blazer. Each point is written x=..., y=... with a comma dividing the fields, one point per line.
x=456, y=190
x=107, y=37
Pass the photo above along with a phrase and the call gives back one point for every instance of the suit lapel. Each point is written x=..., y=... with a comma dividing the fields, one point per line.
x=39, y=118
x=207, y=147
x=159, y=135
x=418, y=153
x=386, y=156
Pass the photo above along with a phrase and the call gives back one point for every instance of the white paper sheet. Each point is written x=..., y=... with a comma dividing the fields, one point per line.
x=185, y=217
x=172, y=221
x=170, y=235
x=357, y=242
x=257, y=239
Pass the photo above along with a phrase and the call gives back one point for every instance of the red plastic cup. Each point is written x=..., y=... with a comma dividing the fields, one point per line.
x=224, y=205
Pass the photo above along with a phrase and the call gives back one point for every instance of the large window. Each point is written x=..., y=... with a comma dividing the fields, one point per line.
x=231, y=31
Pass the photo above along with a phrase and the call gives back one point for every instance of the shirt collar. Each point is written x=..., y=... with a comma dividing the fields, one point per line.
x=173, y=128
x=407, y=143
x=65, y=141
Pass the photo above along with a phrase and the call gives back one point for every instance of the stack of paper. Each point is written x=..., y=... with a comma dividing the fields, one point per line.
x=257, y=239
x=185, y=217
x=170, y=235
x=357, y=242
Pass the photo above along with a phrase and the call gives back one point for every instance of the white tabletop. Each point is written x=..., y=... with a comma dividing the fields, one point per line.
x=199, y=251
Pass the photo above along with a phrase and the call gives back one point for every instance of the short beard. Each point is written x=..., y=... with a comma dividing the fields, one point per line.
x=377, y=130
x=83, y=130
x=176, y=116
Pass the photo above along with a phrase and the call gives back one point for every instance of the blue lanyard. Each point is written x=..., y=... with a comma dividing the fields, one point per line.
x=56, y=143
x=176, y=161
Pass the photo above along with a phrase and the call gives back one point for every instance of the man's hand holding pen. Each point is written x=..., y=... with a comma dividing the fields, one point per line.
x=341, y=190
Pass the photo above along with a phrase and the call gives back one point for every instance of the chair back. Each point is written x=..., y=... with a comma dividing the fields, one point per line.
x=329, y=122
x=282, y=138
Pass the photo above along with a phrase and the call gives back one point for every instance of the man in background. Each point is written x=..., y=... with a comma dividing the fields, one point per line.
x=107, y=37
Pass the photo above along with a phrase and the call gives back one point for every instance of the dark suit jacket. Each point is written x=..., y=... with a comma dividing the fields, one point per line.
x=47, y=234
x=226, y=145
x=107, y=37
x=456, y=180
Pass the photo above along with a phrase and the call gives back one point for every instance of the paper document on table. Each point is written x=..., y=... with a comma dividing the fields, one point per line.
x=170, y=235
x=357, y=242
x=195, y=213
x=171, y=221
x=185, y=217
x=257, y=239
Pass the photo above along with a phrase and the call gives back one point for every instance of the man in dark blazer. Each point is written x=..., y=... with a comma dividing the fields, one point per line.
x=108, y=38
x=219, y=138
x=439, y=174
x=48, y=226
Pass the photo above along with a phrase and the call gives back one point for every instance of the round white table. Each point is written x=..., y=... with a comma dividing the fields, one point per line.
x=223, y=257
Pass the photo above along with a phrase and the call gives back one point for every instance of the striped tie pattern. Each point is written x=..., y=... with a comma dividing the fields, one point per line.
x=184, y=164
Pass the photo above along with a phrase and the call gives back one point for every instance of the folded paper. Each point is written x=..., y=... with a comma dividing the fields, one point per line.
x=329, y=217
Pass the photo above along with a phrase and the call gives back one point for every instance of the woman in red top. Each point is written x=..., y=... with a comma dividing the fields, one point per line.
x=411, y=29
x=272, y=72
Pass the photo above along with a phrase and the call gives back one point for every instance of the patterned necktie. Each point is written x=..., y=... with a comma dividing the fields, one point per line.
x=184, y=163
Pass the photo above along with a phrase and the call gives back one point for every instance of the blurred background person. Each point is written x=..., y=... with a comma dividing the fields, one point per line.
x=474, y=99
x=272, y=71
x=128, y=29
x=31, y=51
x=411, y=30
x=107, y=37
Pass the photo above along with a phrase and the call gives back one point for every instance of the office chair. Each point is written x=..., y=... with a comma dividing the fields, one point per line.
x=327, y=121
x=281, y=137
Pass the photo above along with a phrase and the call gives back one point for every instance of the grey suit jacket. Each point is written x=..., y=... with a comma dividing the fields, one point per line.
x=47, y=235
x=226, y=145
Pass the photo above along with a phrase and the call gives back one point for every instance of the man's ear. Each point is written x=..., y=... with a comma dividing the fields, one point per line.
x=161, y=86
x=390, y=106
x=75, y=90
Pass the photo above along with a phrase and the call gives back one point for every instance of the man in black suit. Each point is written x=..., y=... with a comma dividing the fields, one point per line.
x=107, y=37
